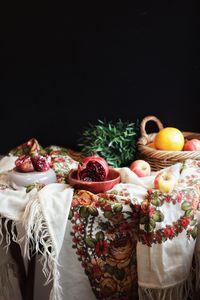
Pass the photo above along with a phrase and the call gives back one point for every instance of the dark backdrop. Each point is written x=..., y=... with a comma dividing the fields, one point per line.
x=63, y=67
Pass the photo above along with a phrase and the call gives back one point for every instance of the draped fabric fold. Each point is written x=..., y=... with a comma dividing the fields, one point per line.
x=168, y=250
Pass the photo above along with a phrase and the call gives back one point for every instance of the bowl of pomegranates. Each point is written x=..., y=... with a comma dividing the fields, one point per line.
x=30, y=170
x=94, y=175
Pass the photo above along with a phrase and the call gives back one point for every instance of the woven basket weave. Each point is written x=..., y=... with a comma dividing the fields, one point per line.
x=161, y=159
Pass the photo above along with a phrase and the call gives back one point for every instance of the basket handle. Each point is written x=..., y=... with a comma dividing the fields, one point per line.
x=144, y=122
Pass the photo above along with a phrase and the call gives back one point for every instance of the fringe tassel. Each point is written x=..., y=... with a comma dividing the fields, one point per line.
x=38, y=240
x=181, y=291
x=7, y=233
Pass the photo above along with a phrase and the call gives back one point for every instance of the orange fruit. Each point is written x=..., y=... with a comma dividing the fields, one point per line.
x=169, y=138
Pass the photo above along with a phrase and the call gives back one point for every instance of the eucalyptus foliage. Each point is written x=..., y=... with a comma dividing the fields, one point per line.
x=114, y=141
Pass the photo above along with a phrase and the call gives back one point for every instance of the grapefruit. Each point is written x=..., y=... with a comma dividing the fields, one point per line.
x=169, y=139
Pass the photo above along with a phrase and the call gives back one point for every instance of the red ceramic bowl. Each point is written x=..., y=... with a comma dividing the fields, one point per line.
x=95, y=186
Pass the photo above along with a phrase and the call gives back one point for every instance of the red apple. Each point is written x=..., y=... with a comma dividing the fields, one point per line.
x=192, y=145
x=165, y=182
x=141, y=168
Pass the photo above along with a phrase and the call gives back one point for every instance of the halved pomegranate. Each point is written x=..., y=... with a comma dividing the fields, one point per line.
x=93, y=168
x=24, y=164
x=41, y=163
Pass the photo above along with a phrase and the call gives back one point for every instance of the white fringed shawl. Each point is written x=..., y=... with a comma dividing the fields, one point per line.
x=43, y=215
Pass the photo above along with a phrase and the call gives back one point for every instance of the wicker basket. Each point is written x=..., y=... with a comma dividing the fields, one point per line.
x=161, y=159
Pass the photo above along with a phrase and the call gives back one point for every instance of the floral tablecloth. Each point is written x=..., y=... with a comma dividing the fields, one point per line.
x=119, y=234
x=104, y=229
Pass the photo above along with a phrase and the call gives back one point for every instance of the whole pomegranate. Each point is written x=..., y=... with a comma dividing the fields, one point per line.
x=93, y=168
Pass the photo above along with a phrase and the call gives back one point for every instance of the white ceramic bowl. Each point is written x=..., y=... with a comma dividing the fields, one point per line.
x=23, y=179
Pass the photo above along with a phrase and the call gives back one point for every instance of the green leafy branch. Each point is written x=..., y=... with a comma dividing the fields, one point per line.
x=114, y=141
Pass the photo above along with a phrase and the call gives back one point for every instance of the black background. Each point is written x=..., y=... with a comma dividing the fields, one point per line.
x=63, y=67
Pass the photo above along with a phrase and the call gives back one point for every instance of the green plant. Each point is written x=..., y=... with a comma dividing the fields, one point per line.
x=114, y=141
